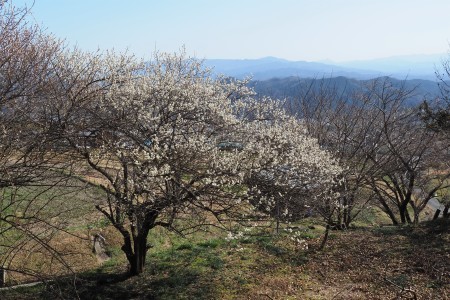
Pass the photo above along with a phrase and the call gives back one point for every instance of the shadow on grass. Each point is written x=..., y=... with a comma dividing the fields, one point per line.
x=425, y=247
x=85, y=286
x=431, y=234
x=181, y=276
x=278, y=248
x=178, y=273
x=174, y=284
x=203, y=270
x=103, y=286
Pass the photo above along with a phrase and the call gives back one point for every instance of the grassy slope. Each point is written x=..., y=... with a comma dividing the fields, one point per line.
x=363, y=263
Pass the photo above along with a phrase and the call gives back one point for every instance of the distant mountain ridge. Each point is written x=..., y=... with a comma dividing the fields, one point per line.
x=271, y=67
x=399, y=67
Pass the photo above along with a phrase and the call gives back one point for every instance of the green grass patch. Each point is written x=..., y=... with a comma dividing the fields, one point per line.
x=371, y=216
x=185, y=246
x=213, y=243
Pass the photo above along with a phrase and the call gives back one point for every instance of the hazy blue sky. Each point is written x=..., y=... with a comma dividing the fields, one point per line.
x=310, y=30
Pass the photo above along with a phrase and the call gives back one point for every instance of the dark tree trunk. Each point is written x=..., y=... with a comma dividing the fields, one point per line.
x=387, y=209
x=134, y=239
x=436, y=214
x=445, y=213
x=278, y=217
x=347, y=217
x=391, y=216
x=348, y=211
x=416, y=210
x=416, y=217
x=325, y=237
x=389, y=212
x=338, y=224
x=408, y=217
x=135, y=250
x=404, y=214
x=137, y=261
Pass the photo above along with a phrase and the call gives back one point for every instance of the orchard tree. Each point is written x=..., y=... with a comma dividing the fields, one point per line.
x=25, y=58
x=27, y=219
x=436, y=115
x=165, y=141
x=342, y=124
x=387, y=154
x=412, y=160
x=294, y=174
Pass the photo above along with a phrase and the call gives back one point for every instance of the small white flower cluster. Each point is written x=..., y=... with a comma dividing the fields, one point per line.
x=300, y=242
x=234, y=236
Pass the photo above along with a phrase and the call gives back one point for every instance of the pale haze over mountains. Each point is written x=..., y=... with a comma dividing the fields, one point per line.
x=399, y=67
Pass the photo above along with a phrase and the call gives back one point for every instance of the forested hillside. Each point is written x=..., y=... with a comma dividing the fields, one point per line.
x=293, y=87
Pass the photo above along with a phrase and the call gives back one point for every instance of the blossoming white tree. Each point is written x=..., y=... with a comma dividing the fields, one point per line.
x=293, y=174
x=165, y=140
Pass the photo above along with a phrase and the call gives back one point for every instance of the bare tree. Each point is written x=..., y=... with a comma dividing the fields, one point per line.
x=342, y=123
x=388, y=154
x=413, y=161
x=26, y=55
x=436, y=115
x=27, y=169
